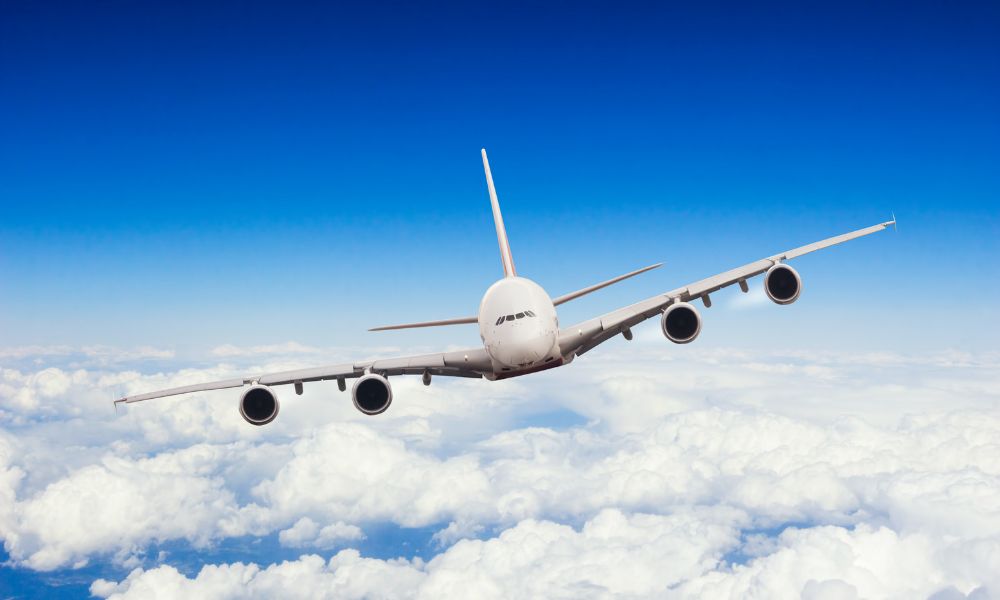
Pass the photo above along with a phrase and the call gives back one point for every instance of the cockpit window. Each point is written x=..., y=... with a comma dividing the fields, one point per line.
x=519, y=315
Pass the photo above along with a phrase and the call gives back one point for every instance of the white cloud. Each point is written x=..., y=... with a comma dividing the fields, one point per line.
x=305, y=532
x=614, y=554
x=345, y=576
x=866, y=562
x=861, y=451
x=121, y=505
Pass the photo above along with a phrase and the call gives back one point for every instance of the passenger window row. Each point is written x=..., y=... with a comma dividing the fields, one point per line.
x=519, y=315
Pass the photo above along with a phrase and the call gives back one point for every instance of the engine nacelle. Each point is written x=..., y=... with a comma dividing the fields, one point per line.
x=259, y=405
x=782, y=284
x=681, y=323
x=372, y=394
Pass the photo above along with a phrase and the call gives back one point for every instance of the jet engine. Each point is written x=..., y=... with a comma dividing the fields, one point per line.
x=782, y=284
x=681, y=323
x=372, y=394
x=259, y=405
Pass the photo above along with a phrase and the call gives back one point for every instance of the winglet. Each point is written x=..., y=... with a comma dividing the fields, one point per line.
x=505, y=255
x=894, y=223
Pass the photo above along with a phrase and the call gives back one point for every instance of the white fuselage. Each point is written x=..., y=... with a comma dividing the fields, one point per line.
x=518, y=325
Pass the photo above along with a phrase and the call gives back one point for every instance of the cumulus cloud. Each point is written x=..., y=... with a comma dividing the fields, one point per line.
x=305, y=532
x=121, y=505
x=347, y=575
x=681, y=477
x=613, y=555
x=636, y=555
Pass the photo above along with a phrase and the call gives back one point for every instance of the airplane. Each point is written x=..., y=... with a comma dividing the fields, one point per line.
x=519, y=329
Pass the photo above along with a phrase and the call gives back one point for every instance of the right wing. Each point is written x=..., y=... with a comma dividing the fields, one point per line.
x=462, y=363
x=583, y=336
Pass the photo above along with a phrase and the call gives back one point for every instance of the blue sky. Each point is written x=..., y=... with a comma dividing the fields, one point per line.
x=192, y=192
x=185, y=176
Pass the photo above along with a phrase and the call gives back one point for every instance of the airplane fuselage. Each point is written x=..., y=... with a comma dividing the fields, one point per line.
x=519, y=326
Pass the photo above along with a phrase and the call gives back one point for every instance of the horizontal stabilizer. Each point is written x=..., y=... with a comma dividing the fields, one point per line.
x=603, y=284
x=458, y=321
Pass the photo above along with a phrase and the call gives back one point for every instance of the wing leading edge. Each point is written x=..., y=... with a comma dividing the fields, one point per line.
x=583, y=336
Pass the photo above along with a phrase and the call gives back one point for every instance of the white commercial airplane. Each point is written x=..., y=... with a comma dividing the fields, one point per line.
x=519, y=330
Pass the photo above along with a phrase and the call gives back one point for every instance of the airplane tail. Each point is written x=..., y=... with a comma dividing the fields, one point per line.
x=505, y=255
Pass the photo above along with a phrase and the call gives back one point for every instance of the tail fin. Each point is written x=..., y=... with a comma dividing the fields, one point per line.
x=505, y=255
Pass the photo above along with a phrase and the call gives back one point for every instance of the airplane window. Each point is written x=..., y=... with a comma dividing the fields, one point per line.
x=529, y=313
x=510, y=317
x=500, y=320
x=519, y=316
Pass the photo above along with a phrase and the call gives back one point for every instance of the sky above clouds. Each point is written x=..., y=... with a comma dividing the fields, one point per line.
x=192, y=192
x=248, y=173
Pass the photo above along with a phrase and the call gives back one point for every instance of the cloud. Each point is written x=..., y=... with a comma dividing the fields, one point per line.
x=345, y=576
x=864, y=562
x=613, y=555
x=306, y=532
x=122, y=505
x=719, y=450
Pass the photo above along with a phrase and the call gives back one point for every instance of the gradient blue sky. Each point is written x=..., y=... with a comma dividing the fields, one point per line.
x=187, y=175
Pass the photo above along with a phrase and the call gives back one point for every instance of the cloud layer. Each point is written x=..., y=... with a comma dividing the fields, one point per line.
x=713, y=473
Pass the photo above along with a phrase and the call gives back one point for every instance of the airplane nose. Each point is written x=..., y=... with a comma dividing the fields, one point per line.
x=524, y=353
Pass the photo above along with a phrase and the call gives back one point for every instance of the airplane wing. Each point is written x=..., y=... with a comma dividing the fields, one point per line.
x=462, y=363
x=586, y=335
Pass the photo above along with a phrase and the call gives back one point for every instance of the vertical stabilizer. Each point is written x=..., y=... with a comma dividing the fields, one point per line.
x=505, y=255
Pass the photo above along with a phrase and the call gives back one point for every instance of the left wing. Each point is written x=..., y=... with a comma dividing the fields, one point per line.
x=462, y=363
x=583, y=336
